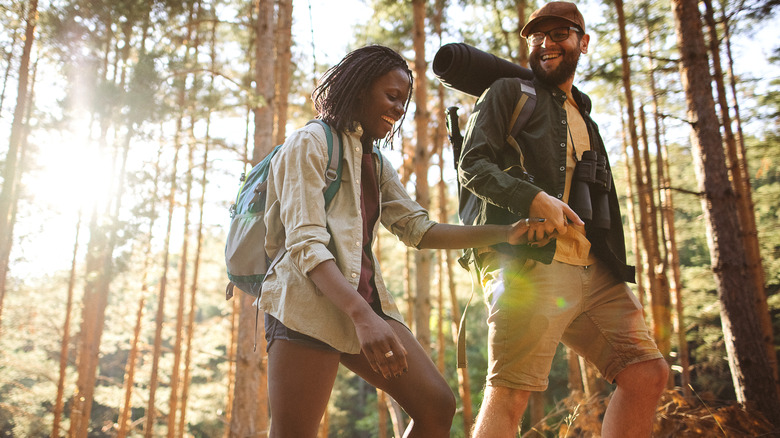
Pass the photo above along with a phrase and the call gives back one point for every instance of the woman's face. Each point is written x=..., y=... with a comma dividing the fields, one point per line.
x=383, y=104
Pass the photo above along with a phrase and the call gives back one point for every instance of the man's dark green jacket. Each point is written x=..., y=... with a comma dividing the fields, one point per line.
x=493, y=169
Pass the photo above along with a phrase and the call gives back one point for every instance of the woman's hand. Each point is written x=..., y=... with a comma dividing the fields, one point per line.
x=380, y=345
x=378, y=341
x=518, y=231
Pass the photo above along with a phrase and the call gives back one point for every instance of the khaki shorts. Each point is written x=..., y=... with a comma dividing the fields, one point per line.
x=533, y=306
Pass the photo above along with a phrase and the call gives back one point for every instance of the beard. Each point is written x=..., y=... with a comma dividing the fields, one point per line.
x=560, y=74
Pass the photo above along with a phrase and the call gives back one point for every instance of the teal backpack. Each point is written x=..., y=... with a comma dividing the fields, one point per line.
x=245, y=258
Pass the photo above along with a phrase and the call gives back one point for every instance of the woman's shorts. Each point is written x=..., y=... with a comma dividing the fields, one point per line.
x=533, y=307
x=274, y=330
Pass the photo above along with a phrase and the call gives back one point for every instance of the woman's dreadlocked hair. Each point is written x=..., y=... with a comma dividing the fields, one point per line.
x=337, y=97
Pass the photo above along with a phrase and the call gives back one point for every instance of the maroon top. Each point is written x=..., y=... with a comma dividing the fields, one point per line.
x=369, y=210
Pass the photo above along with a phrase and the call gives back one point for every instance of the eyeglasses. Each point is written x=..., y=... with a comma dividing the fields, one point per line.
x=556, y=35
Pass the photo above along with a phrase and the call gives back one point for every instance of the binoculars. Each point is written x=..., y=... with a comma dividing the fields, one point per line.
x=591, y=183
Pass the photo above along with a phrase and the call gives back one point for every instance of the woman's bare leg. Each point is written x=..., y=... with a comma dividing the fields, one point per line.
x=300, y=380
x=422, y=391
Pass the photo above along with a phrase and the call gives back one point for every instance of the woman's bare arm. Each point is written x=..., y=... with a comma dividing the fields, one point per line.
x=449, y=236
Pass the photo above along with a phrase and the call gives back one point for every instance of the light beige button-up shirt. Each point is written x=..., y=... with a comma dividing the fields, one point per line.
x=296, y=219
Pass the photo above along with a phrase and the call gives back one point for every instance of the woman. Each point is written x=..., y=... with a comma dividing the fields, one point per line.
x=325, y=302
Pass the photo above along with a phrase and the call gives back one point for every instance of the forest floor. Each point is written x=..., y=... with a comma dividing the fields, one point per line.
x=677, y=417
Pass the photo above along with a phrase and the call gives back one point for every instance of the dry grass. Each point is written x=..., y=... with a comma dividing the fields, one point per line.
x=677, y=417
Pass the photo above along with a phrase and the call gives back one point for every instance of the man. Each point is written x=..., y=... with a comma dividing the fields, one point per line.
x=569, y=284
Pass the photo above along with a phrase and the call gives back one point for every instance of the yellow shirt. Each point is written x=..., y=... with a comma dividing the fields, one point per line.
x=573, y=247
x=296, y=219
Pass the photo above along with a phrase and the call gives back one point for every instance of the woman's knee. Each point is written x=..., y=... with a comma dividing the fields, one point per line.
x=434, y=407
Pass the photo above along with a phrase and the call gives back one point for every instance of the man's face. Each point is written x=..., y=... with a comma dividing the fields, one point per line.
x=554, y=63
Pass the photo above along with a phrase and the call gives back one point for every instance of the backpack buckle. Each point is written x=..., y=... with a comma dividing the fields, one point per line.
x=331, y=175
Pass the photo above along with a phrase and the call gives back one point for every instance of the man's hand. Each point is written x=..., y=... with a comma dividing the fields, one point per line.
x=557, y=214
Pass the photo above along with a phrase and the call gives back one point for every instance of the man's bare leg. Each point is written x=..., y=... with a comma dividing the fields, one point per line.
x=501, y=412
x=631, y=409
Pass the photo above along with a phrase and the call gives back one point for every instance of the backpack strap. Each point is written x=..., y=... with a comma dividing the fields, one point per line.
x=520, y=116
x=333, y=176
x=335, y=165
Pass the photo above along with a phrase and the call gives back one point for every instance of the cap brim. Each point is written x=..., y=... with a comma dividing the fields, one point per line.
x=527, y=28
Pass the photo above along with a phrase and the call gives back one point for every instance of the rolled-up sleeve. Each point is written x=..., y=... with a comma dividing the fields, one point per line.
x=403, y=216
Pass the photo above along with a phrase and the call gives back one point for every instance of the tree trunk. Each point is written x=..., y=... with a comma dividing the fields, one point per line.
x=249, y=413
x=173, y=397
x=522, y=54
x=631, y=216
x=151, y=410
x=422, y=154
x=10, y=49
x=65, y=343
x=440, y=137
x=283, y=64
x=661, y=300
x=130, y=366
x=104, y=234
x=740, y=180
x=750, y=368
x=12, y=171
x=671, y=259
x=198, y=250
x=381, y=407
x=231, y=357
x=648, y=221
x=441, y=345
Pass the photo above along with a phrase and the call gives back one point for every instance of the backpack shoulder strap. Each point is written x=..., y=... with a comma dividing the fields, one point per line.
x=522, y=113
x=381, y=160
x=335, y=165
x=524, y=108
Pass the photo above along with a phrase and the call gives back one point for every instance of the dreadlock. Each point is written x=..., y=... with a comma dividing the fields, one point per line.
x=336, y=98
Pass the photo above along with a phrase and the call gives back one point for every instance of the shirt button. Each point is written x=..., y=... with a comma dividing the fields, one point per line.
x=357, y=244
x=563, y=122
x=354, y=275
x=561, y=168
x=560, y=195
x=357, y=149
x=563, y=145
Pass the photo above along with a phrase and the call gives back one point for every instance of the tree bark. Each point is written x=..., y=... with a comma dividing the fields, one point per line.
x=104, y=235
x=173, y=397
x=250, y=401
x=740, y=180
x=11, y=171
x=522, y=53
x=283, y=64
x=422, y=154
x=671, y=259
x=631, y=216
x=151, y=410
x=65, y=342
x=750, y=368
x=661, y=299
x=190, y=329
x=130, y=366
x=658, y=293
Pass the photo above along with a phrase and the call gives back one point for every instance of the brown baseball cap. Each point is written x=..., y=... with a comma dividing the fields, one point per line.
x=566, y=10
